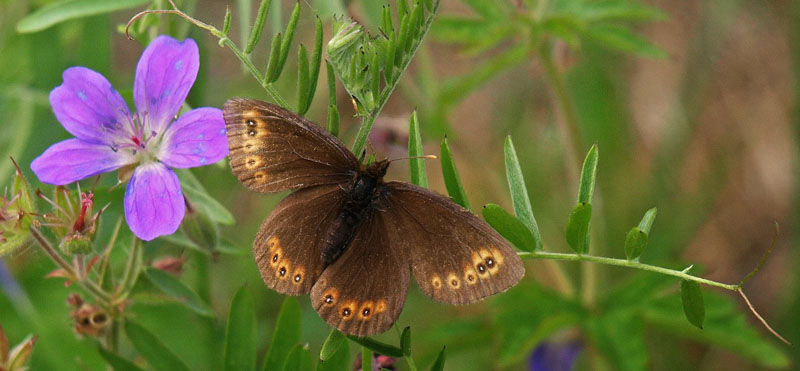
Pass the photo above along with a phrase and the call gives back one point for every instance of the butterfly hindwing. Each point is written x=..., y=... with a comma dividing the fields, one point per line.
x=272, y=149
x=362, y=293
x=288, y=246
x=456, y=257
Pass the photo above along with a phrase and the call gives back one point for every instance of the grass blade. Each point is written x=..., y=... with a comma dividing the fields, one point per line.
x=176, y=289
x=285, y=336
x=57, y=12
x=377, y=346
x=152, y=349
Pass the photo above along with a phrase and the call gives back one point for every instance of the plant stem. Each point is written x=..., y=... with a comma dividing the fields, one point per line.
x=626, y=263
x=88, y=285
x=369, y=120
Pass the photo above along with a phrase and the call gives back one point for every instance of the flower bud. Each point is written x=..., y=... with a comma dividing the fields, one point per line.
x=15, y=214
x=76, y=243
x=15, y=359
x=169, y=264
x=199, y=228
x=72, y=219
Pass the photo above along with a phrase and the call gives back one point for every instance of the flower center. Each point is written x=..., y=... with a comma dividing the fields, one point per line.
x=139, y=139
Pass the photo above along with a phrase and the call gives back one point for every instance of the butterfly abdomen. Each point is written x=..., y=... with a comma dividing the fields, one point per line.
x=350, y=216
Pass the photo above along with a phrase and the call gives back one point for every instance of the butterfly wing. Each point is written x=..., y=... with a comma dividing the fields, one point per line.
x=456, y=257
x=288, y=246
x=362, y=293
x=272, y=149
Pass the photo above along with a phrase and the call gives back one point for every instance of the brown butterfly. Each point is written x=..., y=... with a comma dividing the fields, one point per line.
x=347, y=236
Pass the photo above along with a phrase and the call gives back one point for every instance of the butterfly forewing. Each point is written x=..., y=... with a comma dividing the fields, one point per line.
x=272, y=149
x=456, y=257
x=288, y=246
x=363, y=292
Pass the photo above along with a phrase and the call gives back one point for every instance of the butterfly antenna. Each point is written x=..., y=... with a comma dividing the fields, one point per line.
x=427, y=157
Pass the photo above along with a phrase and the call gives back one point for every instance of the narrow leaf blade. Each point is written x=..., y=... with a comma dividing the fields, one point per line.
x=510, y=227
x=377, y=346
x=152, y=349
x=285, y=336
x=647, y=220
x=451, y=179
x=195, y=191
x=338, y=360
x=240, y=334
x=258, y=27
x=588, y=176
x=635, y=242
x=176, y=289
x=519, y=192
x=117, y=362
x=62, y=11
x=416, y=165
x=405, y=341
x=438, y=365
x=303, y=99
x=298, y=359
x=332, y=345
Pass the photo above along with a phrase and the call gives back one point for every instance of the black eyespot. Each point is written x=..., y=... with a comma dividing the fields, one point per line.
x=328, y=299
x=251, y=162
x=283, y=271
x=490, y=262
x=481, y=268
x=252, y=133
x=275, y=258
x=251, y=123
x=471, y=278
x=346, y=312
x=297, y=278
x=365, y=312
x=454, y=283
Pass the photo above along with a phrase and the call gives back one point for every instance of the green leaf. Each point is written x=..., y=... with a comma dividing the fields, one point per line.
x=416, y=165
x=519, y=192
x=152, y=349
x=117, y=362
x=647, y=220
x=316, y=61
x=622, y=39
x=332, y=345
x=299, y=359
x=194, y=191
x=274, y=59
x=588, y=176
x=578, y=228
x=286, y=44
x=226, y=25
x=635, y=242
x=486, y=9
x=366, y=359
x=510, y=227
x=438, y=365
x=616, y=10
x=176, y=289
x=377, y=346
x=338, y=360
x=303, y=99
x=405, y=341
x=451, y=179
x=61, y=11
x=258, y=27
x=333, y=120
x=240, y=334
x=285, y=336
x=692, y=300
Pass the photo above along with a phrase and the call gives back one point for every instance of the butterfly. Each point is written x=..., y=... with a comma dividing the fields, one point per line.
x=350, y=238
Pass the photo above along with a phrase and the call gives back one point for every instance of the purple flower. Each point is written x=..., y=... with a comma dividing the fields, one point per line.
x=552, y=356
x=108, y=136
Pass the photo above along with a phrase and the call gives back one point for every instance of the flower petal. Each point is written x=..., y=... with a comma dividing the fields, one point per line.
x=198, y=138
x=154, y=204
x=74, y=159
x=88, y=106
x=165, y=73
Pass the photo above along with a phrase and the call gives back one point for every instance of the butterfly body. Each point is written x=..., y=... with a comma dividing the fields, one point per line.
x=360, y=197
x=349, y=238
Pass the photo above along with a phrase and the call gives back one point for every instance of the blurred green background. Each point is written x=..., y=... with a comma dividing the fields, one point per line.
x=707, y=134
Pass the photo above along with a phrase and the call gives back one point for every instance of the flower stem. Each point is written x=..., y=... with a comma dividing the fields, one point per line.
x=626, y=263
x=90, y=286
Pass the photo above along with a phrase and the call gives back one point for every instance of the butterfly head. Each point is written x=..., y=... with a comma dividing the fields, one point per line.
x=377, y=169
